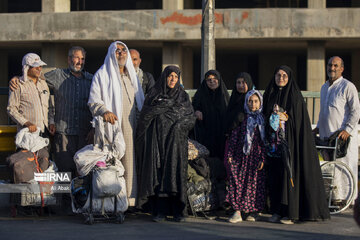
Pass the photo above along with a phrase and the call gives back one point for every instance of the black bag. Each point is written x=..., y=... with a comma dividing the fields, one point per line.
x=201, y=167
x=80, y=188
x=342, y=145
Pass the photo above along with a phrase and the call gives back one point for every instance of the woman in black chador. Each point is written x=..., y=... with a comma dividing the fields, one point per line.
x=296, y=186
x=210, y=103
x=235, y=110
x=162, y=149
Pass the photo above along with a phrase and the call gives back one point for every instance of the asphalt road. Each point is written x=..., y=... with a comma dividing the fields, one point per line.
x=341, y=226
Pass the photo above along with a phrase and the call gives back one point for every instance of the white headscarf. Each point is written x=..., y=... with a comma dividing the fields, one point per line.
x=106, y=85
x=254, y=119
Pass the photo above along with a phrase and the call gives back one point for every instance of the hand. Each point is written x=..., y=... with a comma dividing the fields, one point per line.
x=32, y=128
x=199, y=115
x=344, y=135
x=14, y=83
x=90, y=137
x=110, y=117
x=229, y=159
x=52, y=129
x=260, y=166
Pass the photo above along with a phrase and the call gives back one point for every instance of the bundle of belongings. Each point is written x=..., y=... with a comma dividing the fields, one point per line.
x=101, y=181
x=334, y=141
x=276, y=145
x=206, y=179
x=32, y=157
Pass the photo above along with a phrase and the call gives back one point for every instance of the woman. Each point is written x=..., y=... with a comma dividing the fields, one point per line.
x=210, y=103
x=246, y=156
x=161, y=147
x=296, y=186
x=235, y=109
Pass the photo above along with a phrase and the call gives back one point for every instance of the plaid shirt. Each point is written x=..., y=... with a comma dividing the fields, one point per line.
x=72, y=115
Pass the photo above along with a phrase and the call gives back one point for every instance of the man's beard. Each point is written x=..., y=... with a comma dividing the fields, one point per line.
x=73, y=69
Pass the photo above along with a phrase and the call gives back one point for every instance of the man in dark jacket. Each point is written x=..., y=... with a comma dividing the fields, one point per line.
x=146, y=79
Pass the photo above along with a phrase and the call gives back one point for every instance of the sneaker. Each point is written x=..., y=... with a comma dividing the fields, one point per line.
x=251, y=218
x=236, y=217
x=159, y=218
x=179, y=219
x=286, y=220
x=275, y=218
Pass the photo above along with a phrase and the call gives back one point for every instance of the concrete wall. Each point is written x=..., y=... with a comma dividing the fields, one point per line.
x=181, y=25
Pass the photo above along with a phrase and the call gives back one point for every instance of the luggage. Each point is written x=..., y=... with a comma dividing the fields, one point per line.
x=100, y=192
x=33, y=157
x=23, y=164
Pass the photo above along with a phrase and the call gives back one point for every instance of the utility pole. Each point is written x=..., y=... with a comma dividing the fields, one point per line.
x=207, y=37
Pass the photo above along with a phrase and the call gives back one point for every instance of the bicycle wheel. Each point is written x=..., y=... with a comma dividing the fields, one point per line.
x=339, y=185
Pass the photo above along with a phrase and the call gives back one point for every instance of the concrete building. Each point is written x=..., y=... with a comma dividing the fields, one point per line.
x=252, y=35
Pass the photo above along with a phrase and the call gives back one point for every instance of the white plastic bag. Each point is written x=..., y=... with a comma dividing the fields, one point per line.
x=106, y=182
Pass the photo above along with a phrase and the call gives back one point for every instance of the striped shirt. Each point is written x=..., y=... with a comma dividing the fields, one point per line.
x=72, y=115
x=30, y=103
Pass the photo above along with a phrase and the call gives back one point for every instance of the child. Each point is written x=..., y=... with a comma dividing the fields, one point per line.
x=277, y=132
x=246, y=156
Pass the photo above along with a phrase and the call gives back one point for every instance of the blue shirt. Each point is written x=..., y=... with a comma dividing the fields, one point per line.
x=72, y=115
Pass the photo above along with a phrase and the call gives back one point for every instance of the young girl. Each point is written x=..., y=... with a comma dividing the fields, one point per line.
x=246, y=156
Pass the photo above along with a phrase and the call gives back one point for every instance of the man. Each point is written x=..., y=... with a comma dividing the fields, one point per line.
x=340, y=110
x=116, y=94
x=28, y=105
x=72, y=118
x=71, y=122
x=146, y=79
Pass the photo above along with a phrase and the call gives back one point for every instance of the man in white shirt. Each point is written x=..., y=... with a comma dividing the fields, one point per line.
x=340, y=110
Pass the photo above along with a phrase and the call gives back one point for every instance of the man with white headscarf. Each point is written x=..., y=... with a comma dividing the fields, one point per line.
x=116, y=94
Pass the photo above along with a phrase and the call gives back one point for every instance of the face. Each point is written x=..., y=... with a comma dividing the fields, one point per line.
x=121, y=54
x=76, y=61
x=281, y=78
x=34, y=72
x=241, y=85
x=334, y=68
x=254, y=103
x=135, y=57
x=212, y=82
x=172, y=79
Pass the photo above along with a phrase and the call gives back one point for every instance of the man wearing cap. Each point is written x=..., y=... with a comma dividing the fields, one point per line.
x=28, y=105
x=71, y=121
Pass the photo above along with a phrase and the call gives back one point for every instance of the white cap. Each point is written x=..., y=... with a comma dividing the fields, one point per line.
x=32, y=60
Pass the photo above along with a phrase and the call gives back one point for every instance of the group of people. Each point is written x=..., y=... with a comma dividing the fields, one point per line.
x=266, y=142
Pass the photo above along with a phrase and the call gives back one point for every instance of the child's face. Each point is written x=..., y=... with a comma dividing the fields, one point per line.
x=276, y=108
x=254, y=103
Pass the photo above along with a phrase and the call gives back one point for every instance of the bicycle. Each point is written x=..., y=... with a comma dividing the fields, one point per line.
x=333, y=172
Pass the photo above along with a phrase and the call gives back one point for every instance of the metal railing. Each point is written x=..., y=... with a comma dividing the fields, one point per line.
x=311, y=98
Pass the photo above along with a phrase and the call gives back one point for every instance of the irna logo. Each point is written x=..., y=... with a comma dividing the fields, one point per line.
x=53, y=177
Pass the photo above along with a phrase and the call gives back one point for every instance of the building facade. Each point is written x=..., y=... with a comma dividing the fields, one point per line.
x=252, y=35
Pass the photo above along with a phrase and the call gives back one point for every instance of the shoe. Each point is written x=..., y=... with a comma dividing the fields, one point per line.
x=236, y=217
x=286, y=220
x=251, y=218
x=275, y=218
x=179, y=219
x=159, y=218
